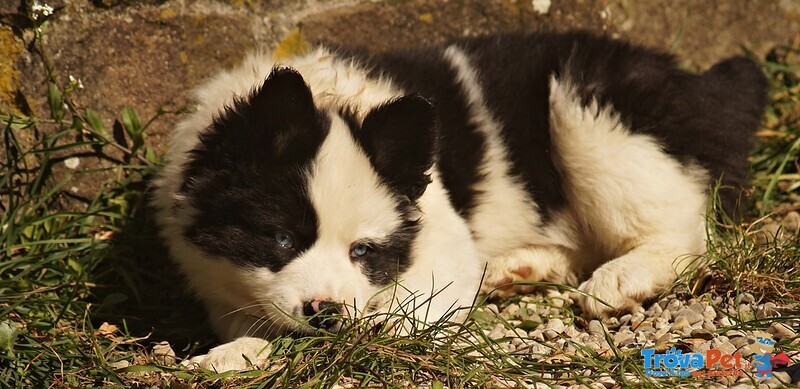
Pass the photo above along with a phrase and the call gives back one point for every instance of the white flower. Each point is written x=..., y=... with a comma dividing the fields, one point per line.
x=41, y=9
x=75, y=82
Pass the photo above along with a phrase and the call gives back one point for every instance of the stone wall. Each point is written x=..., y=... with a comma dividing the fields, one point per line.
x=147, y=53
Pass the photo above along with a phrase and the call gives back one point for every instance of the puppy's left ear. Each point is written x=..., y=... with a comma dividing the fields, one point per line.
x=400, y=140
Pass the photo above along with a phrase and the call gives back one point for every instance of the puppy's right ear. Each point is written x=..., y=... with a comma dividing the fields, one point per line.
x=277, y=123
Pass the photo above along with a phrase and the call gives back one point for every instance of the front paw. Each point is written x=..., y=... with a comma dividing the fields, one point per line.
x=240, y=354
x=611, y=290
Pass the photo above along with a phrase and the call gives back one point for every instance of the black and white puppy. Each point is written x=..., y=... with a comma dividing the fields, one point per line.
x=343, y=183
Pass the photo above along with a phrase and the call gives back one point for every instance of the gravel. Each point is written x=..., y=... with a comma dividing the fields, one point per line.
x=696, y=325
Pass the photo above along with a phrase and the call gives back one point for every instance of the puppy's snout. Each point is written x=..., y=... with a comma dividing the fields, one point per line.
x=322, y=314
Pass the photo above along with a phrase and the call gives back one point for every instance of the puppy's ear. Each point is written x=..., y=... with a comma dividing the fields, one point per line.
x=400, y=140
x=277, y=122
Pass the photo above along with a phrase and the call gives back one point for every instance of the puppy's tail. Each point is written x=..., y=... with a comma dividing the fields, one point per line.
x=739, y=88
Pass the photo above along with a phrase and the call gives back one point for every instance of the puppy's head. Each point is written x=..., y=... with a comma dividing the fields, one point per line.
x=312, y=208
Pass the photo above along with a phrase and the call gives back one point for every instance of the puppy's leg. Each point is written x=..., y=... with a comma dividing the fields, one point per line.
x=528, y=264
x=245, y=345
x=634, y=203
x=624, y=282
x=240, y=354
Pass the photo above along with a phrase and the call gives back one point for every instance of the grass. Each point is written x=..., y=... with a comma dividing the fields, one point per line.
x=86, y=290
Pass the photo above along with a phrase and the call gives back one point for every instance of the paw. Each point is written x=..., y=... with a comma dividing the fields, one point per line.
x=240, y=354
x=621, y=289
x=503, y=282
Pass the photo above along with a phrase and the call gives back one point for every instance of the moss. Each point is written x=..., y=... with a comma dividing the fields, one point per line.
x=9, y=74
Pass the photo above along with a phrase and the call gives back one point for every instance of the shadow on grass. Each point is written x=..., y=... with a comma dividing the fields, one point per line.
x=139, y=289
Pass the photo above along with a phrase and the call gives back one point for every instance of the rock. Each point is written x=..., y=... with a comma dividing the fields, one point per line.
x=537, y=335
x=725, y=321
x=744, y=298
x=163, y=353
x=702, y=334
x=491, y=308
x=666, y=315
x=555, y=325
x=791, y=223
x=692, y=316
x=597, y=328
x=768, y=310
x=624, y=339
x=497, y=332
x=119, y=364
x=780, y=331
x=709, y=313
x=636, y=319
x=625, y=319
x=607, y=382
x=709, y=326
x=680, y=323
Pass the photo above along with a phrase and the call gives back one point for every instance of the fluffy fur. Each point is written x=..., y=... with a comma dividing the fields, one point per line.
x=372, y=182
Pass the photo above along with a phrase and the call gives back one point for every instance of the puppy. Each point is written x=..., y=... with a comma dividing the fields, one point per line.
x=346, y=184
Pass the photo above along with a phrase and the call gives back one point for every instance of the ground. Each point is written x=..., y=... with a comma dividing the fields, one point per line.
x=90, y=89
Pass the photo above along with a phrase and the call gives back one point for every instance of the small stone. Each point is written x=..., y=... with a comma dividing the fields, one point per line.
x=666, y=315
x=622, y=338
x=735, y=333
x=163, y=353
x=702, y=334
x=119, y=364
x=625, y=319
x=607, y=381
x=491, y=308
x=709, y=313
x=612, y=322
x=709, y=326
x=744, y=298
x=674, y=305
x=511, y=310
x=691, y=315
x=725, y=321
x=597, y=328
x=637, y=318
x=791, y=223
x=680, y=323
x=768, y=310
x=537, y=335
x=555, y=325
x=497, y=332
x=697, y=307
x=780, y=331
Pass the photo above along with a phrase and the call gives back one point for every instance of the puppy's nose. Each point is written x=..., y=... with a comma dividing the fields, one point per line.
x=322, y=314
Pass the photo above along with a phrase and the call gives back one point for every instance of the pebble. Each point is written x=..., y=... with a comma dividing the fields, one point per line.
x=780, y=331
x=691, y=315
x=163, y=353
x=680, y=323
x=791, y=223
x=597, y=328
x=702, y=334
x=625, y=319
x=767, y=310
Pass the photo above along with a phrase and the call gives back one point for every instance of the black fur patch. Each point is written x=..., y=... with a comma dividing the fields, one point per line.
x=386, y=260
x=399, y=138
x=461, y=146
x=247, y=177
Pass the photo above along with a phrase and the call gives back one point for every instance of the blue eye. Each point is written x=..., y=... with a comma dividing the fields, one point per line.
x=284, y=240
x=359, y=250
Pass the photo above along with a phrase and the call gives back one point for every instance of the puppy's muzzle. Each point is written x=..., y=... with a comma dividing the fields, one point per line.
x=323, y=314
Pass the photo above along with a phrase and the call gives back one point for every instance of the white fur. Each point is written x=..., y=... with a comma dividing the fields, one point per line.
x=634, y=204
x=505, y=221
